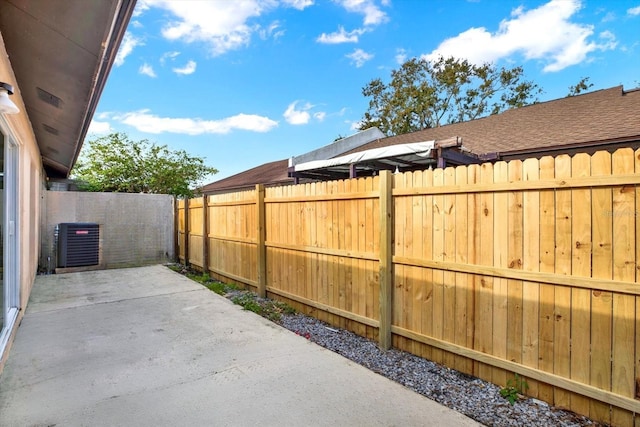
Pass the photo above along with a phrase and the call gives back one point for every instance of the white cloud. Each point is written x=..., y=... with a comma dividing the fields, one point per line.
x=145, y=121
x=354, y=125
x=298, y=4
x=99, y=128
x=136, y=24
x=609, y=17
x=372, y=13
x=401, y=56
x=103, y=116
x=169, y=56
x=147, y=70
x=359, y=57
x=545, y=33
x=222, y=25
x=129, y=42
x=140, y=8
x=271, y=31
x=340, y=36
x=633, y=11
x=189, y=68
x=297, y=117
x=301, y=115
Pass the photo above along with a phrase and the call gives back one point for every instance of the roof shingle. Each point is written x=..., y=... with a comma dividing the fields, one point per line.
x=603, y=115
x=272, y=173
x=593, y=120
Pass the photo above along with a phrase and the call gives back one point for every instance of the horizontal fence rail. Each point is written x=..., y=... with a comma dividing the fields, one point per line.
x=528, y=267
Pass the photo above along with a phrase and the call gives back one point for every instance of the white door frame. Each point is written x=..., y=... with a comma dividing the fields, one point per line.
x=11, y=243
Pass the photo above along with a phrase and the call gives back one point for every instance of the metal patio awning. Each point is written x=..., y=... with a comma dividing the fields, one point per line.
x=400, y=157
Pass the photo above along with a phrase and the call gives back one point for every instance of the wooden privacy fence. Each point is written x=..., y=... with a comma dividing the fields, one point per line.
x=528, y=267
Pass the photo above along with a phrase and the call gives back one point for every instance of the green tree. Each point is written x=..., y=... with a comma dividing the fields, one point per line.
x=424, y=94
x=115, y=163
x=582, y=86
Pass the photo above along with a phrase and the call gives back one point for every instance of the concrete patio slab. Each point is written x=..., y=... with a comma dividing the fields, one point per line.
x=149, y=347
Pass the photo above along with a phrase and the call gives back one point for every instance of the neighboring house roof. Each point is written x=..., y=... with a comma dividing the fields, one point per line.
x=272, y=173
x=597, y=120
x=603, y=119
x=61, y=53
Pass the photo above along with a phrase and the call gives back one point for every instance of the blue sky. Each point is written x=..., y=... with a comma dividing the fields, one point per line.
x=242, y=83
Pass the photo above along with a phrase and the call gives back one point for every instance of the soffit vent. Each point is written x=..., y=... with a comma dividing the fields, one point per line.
x=52, y=150
x=49, y=98
x=50, y=129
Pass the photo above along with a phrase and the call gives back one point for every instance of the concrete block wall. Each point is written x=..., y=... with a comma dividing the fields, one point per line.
x=135, y=229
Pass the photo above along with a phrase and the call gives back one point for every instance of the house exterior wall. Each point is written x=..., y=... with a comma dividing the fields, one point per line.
x=135, y=229
x=30, y=187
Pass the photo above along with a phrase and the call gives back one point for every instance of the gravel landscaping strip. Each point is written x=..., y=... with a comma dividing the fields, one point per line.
x=471, y=396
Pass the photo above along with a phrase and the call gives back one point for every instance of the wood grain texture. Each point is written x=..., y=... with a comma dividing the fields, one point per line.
x=527, y=266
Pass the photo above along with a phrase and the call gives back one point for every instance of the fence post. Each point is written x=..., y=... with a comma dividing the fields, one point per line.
x=261, y=247
x=186, y=231
x=386, y=260
x=205, y=234
x=176, y=229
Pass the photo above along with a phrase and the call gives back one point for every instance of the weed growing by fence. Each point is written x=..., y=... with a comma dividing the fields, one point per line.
x=248, y=300
x=514, y=389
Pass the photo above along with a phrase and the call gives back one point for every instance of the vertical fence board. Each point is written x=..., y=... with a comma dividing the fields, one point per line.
x=474, y=216
x=500, y=259
x=273, y=230
x=348, y=239
x=262, y=249
x=363, y=214
x=323, y=270
x=196, y=238
x=547, y=265
x=484, y=299
x=462, y=288
x=514, y=261
x=181, y=231
x=400, y=218
x=624, y=266
x=601, y=302
x=205, y=233
x=562, y=295
x=580, y=266
x=438, y=275
x=531, y=262
x=406, y=297
x=314, y=214
x=416, y=252
x=302, y=239
x=373, y=283
x=293, y=226
x=449, y=255
x=426, y=311
x=342, y=261
x=280, y=237
x=636, y=215
x=332, y=212
x=355, y=264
